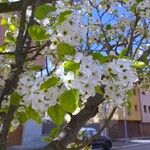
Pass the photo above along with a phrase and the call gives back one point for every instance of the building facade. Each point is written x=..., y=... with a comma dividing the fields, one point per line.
x=137, y=119
x=145, y=113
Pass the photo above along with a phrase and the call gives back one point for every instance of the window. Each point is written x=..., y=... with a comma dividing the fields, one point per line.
x=135, y=107
x=145, y=108
x=149, y=109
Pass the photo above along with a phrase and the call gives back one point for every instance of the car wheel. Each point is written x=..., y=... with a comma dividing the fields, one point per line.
x=107, y=146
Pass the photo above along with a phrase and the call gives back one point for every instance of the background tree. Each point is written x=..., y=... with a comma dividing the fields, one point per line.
x=96, y=52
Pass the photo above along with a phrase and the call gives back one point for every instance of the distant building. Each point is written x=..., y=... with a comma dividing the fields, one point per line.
x=137, y=118
x=145, y=113
x=132, y=117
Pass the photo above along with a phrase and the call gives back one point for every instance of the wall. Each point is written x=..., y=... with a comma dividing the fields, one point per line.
x=15, y=138
x=117, y=130
x=135, y=113
x=145, y=129
x=145, y=100
x=32, y=134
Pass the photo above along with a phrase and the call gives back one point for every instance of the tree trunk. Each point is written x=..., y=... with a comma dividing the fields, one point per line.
x=70, y=132
x=2, y=144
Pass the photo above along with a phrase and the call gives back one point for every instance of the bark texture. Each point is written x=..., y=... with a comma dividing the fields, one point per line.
x=17, y=6
x=71, y=130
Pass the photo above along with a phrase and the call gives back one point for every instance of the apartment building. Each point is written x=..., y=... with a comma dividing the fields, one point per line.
x=145, y=113
x=132, y=118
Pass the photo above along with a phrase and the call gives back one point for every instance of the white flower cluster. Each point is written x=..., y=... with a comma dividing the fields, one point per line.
x=4, y=71
x=88, y=78
x=119, y=77
x=29, y=88
x=143, y=7
x=14, y=124
x=71, y=31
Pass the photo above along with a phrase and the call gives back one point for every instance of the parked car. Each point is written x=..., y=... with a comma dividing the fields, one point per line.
x=101, y=142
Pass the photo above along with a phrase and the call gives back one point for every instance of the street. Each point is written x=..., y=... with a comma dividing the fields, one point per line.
x=134, y=147
x=134, y=144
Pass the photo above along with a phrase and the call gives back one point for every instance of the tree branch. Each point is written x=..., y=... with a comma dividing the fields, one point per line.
x=11, y=83
x=70, y=132
x=17, y=6
x=87, y=142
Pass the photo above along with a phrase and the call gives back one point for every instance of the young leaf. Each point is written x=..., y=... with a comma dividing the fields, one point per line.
x=32, y=114
x=42, y=11
x=139, y=1
x=37, y=33
x=65, y=49
x=98, y=89
x=139, y=64
x=12, y=27
x=63, y=16
x=71, y=66
x=36, y=68
x=69, y=100
x=123, y=53
x=15, y=98
x=54, y=132
x=108, y=27
x=49, y=83
x=23, y=117
x=3, y=22
x=56, y=113
x=102, y=59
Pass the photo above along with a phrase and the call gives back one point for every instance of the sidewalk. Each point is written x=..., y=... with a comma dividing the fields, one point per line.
x=131, y=141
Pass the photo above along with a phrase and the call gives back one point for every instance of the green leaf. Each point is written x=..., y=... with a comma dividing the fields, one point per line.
x=33, y=114
x=3, y=47
x=12, y=27
x=23, y=117
x=69, y=100
x=98, y=89
x=56, y=113
x=37, y=33
x=132, y=8
x=108, y=27
x=42, y=11
x=102, y=59
x=138, y=1
x=63, y=16
x=51, y=82
x=46, y=139
x=54, y=132
x=65, y=49
x=123, y=53
x=3, y=22
x=128, y=103
x=139, y=64
x=15, y=98
x=72, y=66
x=36, y=68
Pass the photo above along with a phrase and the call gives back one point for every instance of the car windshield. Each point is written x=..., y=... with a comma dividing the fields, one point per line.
x=89, y=132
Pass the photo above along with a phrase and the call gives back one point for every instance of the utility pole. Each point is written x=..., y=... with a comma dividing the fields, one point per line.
x=125, y=125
